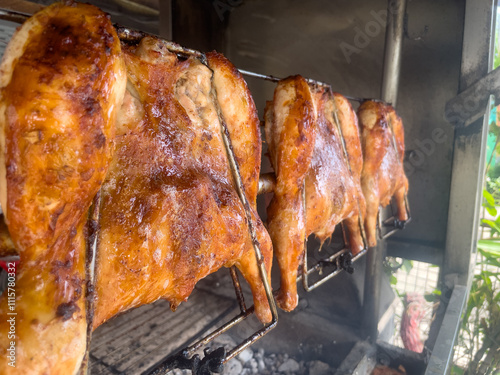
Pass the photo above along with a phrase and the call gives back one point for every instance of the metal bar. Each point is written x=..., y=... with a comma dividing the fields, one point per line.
x=90, y=259
x=393, y=45
x=372, y=289
x=392, y=63
x=471, y=104
x=308, y=80
x=469, y=150
x=442, y=354
x=13, y=16
x=237, y=289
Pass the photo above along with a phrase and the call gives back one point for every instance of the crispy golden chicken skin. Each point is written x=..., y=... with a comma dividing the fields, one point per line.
x=62, y=80
x=304, y=125
x=243, y=124
x=170, y=212
x=383, y=175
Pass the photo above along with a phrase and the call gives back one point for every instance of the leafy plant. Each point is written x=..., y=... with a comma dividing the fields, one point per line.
x=480, y=331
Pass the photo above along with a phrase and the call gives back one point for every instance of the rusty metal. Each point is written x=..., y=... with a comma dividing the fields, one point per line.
x=237, y=288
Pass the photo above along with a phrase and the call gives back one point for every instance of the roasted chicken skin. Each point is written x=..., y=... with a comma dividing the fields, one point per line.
x=62, y=80
x=304, y=126
x=383, y=175
x=242, y=121
x=170, y=213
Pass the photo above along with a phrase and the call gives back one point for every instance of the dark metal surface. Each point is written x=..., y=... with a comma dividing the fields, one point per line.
x=392, y=64
x=372, y=289
x=396, y=11
x=471, y=103
x=469, y=149
x=442, y=354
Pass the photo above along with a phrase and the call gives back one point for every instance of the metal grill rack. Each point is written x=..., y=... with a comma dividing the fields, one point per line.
x=185, y=358
x=214, y=360
x=342, y=259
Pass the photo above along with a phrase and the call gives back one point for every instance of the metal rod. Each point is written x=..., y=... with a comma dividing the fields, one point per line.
x=237, y=288
x=90, y=262
x=308, y=80
x=393, y=45
x=390, y=82
x=13, y=16
x=241, y=192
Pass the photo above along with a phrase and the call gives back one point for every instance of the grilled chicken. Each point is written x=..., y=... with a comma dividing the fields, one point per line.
x=170, y=212
x=383, y=175
x=62, y=80
x=243, y=124
x=304, y=126
x=7, y=248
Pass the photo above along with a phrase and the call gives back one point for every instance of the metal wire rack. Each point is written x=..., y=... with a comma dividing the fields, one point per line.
x=342, y=259
x=186, y=359
x=213, y=361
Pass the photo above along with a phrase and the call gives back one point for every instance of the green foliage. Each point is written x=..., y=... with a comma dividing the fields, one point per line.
x=493, y=190
x=480, y=331
x=433, y=297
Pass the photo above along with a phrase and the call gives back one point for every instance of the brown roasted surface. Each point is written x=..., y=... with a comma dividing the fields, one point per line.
x=303, y=131
x=61, y=81
x=7, y=248
x=170, y=213
x=383, y=174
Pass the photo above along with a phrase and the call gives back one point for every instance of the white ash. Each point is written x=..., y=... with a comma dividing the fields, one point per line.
x=252, y=361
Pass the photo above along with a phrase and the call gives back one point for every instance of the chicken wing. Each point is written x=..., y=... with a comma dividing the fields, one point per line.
x=383, y=175
x=62, y=80
x=304, y=126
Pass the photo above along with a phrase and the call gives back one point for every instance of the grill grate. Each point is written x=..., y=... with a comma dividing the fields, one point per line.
x=135, y=341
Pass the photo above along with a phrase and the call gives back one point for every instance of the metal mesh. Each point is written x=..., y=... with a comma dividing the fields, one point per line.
x=422, y=279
